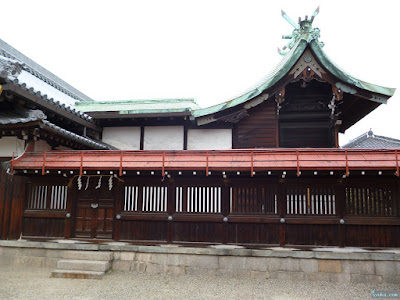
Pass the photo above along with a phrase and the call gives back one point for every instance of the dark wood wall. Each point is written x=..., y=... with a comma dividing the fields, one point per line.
x=12, y=198
x=246, y=211
x=259, y=129
x=305, y=119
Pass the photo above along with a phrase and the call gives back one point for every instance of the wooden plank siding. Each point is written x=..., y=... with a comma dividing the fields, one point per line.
x=244, y=211
x=12, y=197
x=259, y=130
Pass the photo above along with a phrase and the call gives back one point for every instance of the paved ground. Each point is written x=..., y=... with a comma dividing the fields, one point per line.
x=30, y=283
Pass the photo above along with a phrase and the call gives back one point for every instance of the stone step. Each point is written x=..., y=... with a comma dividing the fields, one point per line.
x=83, y=265
x=77, y=274
x=88, y=255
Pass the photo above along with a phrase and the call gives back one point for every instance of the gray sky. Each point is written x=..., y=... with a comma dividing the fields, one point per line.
x=208, y=50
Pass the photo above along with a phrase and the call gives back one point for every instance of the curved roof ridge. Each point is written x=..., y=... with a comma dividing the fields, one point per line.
x=270, y=79
x=339, y=72
x=40, y=72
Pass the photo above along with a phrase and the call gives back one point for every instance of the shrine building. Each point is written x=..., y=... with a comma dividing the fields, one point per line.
x=262, y=169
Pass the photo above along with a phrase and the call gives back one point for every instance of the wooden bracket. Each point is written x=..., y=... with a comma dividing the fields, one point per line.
x=12, y=163
x=163, y=164
x=81, y=166
x=207, y=163
x=308, y=74
x=252, y=163
x=337, y=92
x=120, y=163
x=280, y=96
x=44, y=163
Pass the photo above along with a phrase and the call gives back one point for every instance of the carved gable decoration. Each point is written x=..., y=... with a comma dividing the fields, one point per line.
x=307, y=68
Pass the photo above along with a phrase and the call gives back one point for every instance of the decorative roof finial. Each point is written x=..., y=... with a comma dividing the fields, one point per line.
x=302, y=30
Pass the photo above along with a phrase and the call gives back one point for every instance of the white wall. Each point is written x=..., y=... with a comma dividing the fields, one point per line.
x=209, y=139
x=124, y=138
x=10, y=144
x=163, y=138
x=41, y=146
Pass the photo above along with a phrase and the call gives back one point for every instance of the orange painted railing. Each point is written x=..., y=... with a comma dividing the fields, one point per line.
x=224, y=160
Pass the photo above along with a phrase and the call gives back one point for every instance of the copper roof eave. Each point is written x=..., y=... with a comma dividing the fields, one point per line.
x=118, y=115
x=213, y=160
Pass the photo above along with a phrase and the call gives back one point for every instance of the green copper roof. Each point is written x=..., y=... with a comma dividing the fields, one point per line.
x=339, y=73
x=281, y=70
x=302, y=36
x=139, y=106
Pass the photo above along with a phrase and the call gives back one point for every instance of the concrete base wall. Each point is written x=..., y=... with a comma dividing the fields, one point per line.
x=357, y=267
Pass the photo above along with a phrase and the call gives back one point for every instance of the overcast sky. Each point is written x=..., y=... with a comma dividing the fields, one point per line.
x=211, y=51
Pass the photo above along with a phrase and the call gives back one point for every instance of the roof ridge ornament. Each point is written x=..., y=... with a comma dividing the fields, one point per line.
x=302, y=30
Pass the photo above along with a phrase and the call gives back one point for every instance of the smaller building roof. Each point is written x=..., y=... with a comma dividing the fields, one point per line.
x=369, y=140
x=139, y=106
x=38, y=118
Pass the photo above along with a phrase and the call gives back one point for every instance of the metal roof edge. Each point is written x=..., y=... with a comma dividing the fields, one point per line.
x=342, y=75
x=134, y=101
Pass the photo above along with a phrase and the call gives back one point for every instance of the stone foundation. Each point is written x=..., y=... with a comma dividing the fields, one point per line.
x=321, y=264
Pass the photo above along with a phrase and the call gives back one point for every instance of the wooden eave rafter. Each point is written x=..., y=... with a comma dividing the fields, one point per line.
x=36, y=129
x=49, y=106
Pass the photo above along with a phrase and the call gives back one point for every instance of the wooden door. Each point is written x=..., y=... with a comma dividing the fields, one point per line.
x=94, y=211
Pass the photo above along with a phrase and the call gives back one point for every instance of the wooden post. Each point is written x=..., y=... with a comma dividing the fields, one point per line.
x=171, y=209
x=341, y=210
x=119, y=194
x=225, y=209
x=185, y=135
x=142, y=137
x=71, y=203
x=282, y=210
x=17, y=206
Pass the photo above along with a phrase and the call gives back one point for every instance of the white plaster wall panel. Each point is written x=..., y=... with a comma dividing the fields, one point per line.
x=163, y=138
x=41, y=146
x=63, y=148
x=124, y=138
x=209, y=139
x=10, y=145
